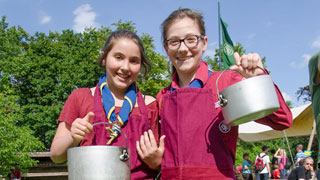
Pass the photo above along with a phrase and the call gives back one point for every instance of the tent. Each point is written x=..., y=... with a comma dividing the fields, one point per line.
x=302, y=126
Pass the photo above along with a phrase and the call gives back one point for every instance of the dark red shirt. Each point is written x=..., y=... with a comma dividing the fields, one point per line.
x=80, y=103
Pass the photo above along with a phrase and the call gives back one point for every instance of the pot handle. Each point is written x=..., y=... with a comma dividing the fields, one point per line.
x=222, y=100
x=125, y=155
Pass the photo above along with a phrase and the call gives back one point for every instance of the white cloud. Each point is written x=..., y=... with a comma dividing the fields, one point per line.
x=268, y=23
x=211, y=49
x=209, y=52
x=286, y=96
x=316, y=43
x=84, y=17
x=45, y=19
x=303, y=62
x=213, y=44
x=251, y=36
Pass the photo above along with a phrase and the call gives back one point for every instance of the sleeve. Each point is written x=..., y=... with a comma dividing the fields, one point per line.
x=268, y=159
x=160, y=95
x=153, y=115
x=70, y=109
x=313, y=69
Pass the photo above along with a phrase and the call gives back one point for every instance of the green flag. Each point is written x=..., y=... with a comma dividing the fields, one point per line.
x=228, y=48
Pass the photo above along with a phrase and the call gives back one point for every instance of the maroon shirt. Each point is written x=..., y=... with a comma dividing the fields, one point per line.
x=80, y=103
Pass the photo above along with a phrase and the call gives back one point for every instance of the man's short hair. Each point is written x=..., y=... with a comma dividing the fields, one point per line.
x=245, y=154
x=272, y=151
x=264, y=148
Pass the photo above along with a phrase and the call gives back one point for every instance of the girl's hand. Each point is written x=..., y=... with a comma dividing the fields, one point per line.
x=247, y=65
x=149, y=151
x=81, y=127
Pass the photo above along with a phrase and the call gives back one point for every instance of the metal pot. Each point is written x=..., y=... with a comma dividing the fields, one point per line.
x=248, y=100
x=99, y=162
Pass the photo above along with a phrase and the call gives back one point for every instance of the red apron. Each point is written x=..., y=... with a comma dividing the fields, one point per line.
x=198, y=144
x=136, y=126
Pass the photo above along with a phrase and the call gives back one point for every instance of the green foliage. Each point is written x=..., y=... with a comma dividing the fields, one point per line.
x=16, y=142
x=159, y=76
x=214, y=63
x=254, y=148
x=45, y=68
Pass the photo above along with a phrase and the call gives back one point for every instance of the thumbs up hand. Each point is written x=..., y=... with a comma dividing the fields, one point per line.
x=247, y=64
x=81, y=127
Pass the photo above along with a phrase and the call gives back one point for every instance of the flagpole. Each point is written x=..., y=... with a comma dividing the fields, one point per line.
x=219, y=36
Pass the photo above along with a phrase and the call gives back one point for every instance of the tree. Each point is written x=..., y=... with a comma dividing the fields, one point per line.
x=214, y=63
x=305, y=93
x=45, y=69
x=16, y=142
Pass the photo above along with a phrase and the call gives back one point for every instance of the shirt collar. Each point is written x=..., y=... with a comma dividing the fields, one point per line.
x=201, y=74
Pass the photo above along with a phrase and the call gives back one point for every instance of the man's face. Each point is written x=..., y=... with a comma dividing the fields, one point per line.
x=308, y=164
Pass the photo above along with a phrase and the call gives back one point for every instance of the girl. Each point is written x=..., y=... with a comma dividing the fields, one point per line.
x=111, y=100
x=282, y=159
x=199, y=145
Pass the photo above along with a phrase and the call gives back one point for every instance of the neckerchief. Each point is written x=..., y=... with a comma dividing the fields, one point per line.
x=109, y=106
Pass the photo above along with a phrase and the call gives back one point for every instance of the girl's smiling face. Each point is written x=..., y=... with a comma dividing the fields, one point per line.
x=185, y=60
x=123, y=64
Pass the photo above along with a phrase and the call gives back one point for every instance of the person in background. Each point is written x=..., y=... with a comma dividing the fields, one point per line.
x=318, y=172
x=273, y=161
x=276, y=172
x=282, y=156
x=115, y=99
x=246, y=167
x=266, y=172
x=303, y=172
x=199, y=144
x=299, y=156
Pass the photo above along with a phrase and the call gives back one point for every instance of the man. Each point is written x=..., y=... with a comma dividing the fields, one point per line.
x=314, y=81
x=246, y=165
x=266, y=172
x=299, y=156
x=303, y=172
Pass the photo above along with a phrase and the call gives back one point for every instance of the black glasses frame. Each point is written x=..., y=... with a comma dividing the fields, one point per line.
x=183, y=40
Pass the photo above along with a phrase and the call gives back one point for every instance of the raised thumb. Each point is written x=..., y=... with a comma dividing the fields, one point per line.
x=161, y=144
x=89, y=116
x=234, y=68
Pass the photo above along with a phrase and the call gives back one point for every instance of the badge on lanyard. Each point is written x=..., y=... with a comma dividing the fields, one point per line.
x=223, y=127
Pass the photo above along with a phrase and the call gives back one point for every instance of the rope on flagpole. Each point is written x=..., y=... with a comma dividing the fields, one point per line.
x=219, y=24
x=285, y=135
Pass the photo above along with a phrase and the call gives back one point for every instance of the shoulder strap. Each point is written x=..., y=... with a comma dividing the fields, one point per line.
x=142, y=105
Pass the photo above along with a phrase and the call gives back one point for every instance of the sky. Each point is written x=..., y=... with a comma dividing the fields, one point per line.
x=286, y=32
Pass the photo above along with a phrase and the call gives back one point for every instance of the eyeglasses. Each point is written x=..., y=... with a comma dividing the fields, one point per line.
x=190, y=41
x=309, y=164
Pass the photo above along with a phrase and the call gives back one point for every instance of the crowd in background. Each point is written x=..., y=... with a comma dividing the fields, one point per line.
x=278, y=166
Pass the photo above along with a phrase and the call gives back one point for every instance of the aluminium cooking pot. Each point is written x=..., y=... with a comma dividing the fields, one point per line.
x=99, y=162
x=248, y=100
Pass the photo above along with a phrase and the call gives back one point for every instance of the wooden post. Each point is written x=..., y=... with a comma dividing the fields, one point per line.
x=312, y=135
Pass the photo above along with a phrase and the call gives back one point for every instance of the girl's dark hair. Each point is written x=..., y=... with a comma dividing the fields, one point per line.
x=120, y=34
x=180, y=14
